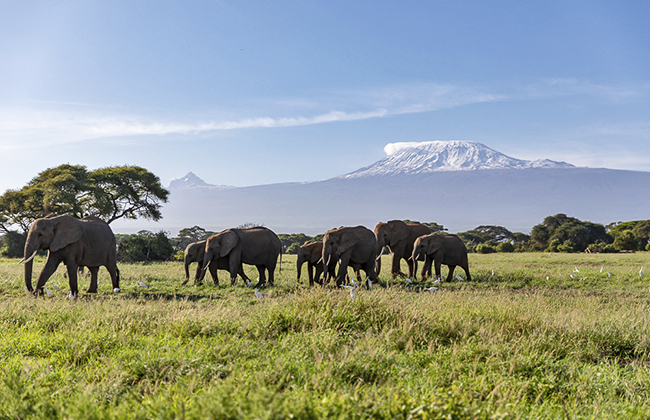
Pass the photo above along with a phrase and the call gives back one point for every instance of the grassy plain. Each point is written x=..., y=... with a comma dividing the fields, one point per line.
x=510, y=345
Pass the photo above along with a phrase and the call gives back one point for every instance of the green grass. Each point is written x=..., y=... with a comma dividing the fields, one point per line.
x=512, y=345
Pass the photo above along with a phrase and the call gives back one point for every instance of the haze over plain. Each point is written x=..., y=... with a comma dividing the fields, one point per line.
x=247, y=93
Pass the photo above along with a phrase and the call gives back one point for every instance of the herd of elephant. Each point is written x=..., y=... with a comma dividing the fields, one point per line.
x=89, y=242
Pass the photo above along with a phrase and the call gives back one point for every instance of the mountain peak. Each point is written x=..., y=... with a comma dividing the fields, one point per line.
x=437, y=156
x=192, y=181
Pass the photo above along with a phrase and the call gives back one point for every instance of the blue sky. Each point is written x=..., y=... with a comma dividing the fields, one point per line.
x=245, y=93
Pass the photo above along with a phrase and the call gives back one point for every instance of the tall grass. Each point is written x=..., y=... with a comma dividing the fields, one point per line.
x=508, y=345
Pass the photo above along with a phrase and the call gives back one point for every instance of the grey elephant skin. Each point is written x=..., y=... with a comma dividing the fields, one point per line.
x=257, y=246
x=87, y=242
x=195, y=252
x=353, y=246
x=400, y=237
x=312, y=253
x=442, y=249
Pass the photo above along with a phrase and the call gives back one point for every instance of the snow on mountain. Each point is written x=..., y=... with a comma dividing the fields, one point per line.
x=192, y=181
x=436, y=156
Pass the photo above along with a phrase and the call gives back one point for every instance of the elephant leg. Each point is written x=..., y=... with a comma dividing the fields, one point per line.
x=72, y=278
x=395, y=268
x=50, y=267
x=317, y=274
x=450, y=276
x=262, y=276
x=426, y=268
x=412, y=268
x=310, y=272
x=115, y=275
x=271, y=274
x=93, y=280
x=242, y=274
x=437, y=265
x=343, y=268
x=198, y=274
x=213, y=272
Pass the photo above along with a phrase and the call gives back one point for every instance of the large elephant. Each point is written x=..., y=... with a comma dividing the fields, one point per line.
x=312, y=253
x=399, y=237
x=87, y=242
x=441, y=249
x=257, y=246
x=195, y=252
x=352, y=245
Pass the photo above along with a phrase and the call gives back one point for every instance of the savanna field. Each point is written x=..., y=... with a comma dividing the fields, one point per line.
x=510, y=345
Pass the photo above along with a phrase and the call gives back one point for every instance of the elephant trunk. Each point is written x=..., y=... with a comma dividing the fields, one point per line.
x=28, y=260
x=299, y=262
x=187, y=268
x=207, y=258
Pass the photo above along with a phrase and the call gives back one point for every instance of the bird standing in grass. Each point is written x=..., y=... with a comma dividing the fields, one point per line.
x=431, y=289
x=258, y=294
x=641, y=272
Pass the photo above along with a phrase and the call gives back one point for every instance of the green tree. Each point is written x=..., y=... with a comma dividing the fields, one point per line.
x=626, y=241
x=108, y=193
x=433, y=226
x=567, y=234
x=188, y=235
x=145, y=246
x=642, y=232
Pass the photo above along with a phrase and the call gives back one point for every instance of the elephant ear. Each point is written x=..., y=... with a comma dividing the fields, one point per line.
x=227, y=242
x=434, y=245
x=347, y=242
x=66, y=231
x=398, y=233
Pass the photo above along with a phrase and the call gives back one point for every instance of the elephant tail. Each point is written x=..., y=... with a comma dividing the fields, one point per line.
x=280, y=270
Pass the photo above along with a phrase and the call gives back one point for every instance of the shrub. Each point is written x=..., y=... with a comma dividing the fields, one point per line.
x=145, y=246
x=485, y=249
x=13, y=245
x=505, y=247
x=626, y=241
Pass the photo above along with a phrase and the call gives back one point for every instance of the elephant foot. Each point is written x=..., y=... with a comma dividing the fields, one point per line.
x=91, y=291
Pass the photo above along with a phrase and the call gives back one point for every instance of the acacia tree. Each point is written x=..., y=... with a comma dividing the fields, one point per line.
x=108, y=193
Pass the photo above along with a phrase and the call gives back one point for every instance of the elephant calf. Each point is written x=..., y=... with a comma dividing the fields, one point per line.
x=195, y=252
x=441, y=249
x=312, y=253
x=353, y=246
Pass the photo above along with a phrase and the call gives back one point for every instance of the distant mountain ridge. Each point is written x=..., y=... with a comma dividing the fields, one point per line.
x=460, y=185
x=192, y=181
x=437, y=156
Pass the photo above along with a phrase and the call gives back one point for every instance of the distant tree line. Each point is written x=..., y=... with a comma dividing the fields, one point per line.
x=132, y=192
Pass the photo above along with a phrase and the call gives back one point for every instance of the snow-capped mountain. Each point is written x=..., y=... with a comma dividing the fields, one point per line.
x=437, y=156
x=192, y=181
x=458, y=184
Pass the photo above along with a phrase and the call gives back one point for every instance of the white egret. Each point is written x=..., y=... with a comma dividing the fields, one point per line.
x=609, y=274
x=437, y=281
x=575, y=270
x=248, y=283
x=409, y=281
x=142, y=284
x=50, y=294
x=70, y=296
x=432, y=288
x=258, y=294
x=459, y=278
x=354, y=283
x=641, y=272
x=117, y=290
x=547, y=277
x=601, y=268
x=573, y=275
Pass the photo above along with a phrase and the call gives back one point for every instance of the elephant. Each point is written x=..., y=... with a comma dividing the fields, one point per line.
x=87, y=242
x=399, y=237
x=440, y=249
x=195, y=252
x=257, y=246
x=312, y=253
x=353, y=246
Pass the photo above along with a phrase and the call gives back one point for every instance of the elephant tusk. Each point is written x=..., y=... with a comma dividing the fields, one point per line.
x=328, y=260
x=25, y=261
x=319, y=261
x=207, y=265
